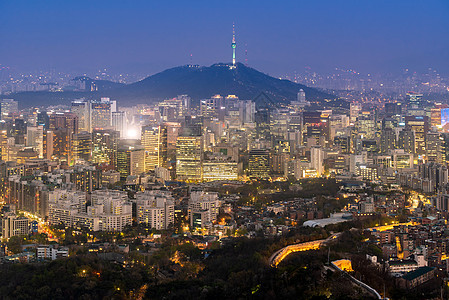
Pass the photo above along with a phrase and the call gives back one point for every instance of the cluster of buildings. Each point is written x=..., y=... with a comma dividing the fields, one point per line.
x=59, y=163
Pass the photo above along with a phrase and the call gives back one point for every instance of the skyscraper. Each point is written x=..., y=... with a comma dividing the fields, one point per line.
x=101, y=114
x=119, y=122
x=81, y=108
x=152, y=139
x=189, y=157
x=259, y=164
x=420, y=125
x=130, y=160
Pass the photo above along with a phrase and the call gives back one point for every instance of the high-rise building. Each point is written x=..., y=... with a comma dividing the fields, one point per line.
x=435, y=151
x=62, y=128
x=81, y=108
x=8, y=106
x=420, y=125
x=35, y=139
x=101, y=114
x=82, y=146
x=13, y=225
x=104, y=146
x=413, y=99
x=316, y=159
x=392, y=109
x=407, y=141
x=203, y=208
x=259, y=164
x=387, y=140
x=189, y=157
x=155, y=208
x=86, y=178
x=153, y=139
x=130, y=160
x=354, y=110
x=119, y=122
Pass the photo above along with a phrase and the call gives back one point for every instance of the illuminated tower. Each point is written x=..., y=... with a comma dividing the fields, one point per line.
x=233, y=45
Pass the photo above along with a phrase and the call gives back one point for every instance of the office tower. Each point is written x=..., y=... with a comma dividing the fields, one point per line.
x=387, y=140
x=119, y=122
x=366, y=125
x=445, y=137
x=48, y=138
x=247, y=111
x=210, y=107
x=104, y=146
x=43, y=120
x=35, y=139
x=175, y=108
x=316, y=160
x=82, y=146
x=354, y=110
x=130, y=160
x=101, y=114
x=436, y=173
x=62, y=128
x=189, y=157
x=8, y=106
x=259, y=164
x=155, y=208
x=203, y=208
x=154, y=140
x=393, y=109
x=356, y=159
x=435, y=151
x=312, y=126
x=435, y=117
x=342, y=143
x=81, y=108
x=407, y=141
x=401, y=160
x=414, y=100
x=420, y=125
x=19, y=129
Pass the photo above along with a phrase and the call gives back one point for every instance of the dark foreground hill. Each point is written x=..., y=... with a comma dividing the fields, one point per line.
x=197, y=82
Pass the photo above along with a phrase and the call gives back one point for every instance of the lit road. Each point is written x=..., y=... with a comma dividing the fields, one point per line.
x=281, y=254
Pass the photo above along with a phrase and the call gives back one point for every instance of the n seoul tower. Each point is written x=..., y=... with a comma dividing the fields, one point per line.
x=233, y=45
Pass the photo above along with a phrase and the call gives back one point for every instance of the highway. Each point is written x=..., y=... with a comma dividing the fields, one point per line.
x=281, y=254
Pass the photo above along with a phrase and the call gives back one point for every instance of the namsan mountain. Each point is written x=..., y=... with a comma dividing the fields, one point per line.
x=198, y=82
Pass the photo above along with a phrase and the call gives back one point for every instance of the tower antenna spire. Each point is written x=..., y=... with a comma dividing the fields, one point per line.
x=233, y=45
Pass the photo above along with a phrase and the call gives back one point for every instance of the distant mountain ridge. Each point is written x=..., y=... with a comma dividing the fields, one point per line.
x=195, y=81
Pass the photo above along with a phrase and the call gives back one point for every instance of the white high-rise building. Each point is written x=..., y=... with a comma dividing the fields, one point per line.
x=110, y=210
x=35, y=139
x=205, y=205
x=119, y=122
x=316, y=159
x=155, y=208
